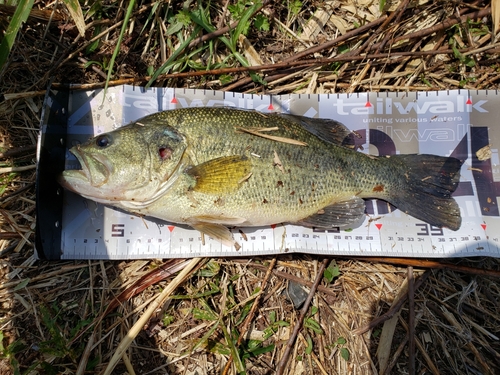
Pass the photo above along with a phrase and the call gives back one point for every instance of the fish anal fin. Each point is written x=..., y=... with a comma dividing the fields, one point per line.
x=221, y=175
x=218, y=232
x=347, y=213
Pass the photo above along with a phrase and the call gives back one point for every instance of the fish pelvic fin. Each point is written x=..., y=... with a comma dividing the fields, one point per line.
x=221, y=175
x=218, y=232
x=426, y=189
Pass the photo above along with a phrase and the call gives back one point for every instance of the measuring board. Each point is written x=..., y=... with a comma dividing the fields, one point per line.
x=457, y=123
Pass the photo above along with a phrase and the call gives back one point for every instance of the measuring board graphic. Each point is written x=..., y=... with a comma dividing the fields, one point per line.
x=457, y=123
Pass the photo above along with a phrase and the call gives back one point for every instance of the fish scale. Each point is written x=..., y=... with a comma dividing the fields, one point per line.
x=303, y=166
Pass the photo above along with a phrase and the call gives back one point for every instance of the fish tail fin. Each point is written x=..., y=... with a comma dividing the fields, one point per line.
x=427, y=185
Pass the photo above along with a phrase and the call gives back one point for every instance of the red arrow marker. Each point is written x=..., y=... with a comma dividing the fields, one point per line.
x=379, y=226
x=483, y=226
x=469, y=102
x=171, y=228
x=368, y=104
x=271, y=107
x=174, y=100
x=273, y=226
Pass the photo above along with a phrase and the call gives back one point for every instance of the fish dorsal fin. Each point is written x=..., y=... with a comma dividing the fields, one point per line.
x=348, y=213
x=328, y=130
x=221, y=175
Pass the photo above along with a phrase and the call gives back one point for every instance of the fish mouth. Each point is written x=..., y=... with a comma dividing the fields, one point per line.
x=95, y=172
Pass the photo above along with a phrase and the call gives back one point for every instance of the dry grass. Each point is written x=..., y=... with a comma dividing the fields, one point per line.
x=56, y=316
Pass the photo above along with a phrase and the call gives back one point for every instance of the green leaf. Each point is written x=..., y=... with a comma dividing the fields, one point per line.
x=268, y=332
x=240, y=367
x=76, y=13
x=272, y=316
x=22, y=284
x=172, y=59
x=310, y=346
x=167, y=319
x=344, y=353
x=295, y=7
x=341, y=341
x=469, y=61
x=313, y=325
x=211, y=269
x=204, y=314
x=282, y=323
x=20, y=16
x=245, y=311
x=261, y=22
x=199, y=17
x=331, y=272
x=456, y=52
x=2, y=349
x=174, y=28
x=243, y=24
x=93, y=46
x=217, y=347
x=262, y=349
x=381, y=5
x=125, y=25
x=205, y=338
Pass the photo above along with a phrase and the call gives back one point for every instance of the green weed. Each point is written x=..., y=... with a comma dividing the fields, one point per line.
x=20, y=16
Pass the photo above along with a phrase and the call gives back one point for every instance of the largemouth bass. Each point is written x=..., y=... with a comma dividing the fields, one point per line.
x=211, y=168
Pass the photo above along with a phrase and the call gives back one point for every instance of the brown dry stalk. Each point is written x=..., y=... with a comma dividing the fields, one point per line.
x=294, y=65
x=395, y=357
x=251, y=314
x=139, y=325
x=440, y=26
x=315, y=49
x=393, y=310
x=156, y=275
x=425, y=263
x=445, y=314
x=397, y=15
x=17, y=192
x=298, y=325
x=6, y=235
x=222, y=30
x=16, y=151
x=35, y=14
x=422, y=350
x=411, y=321
x=288, y=276
x=418, y=34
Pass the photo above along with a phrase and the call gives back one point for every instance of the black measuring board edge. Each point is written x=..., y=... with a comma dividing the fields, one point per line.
x=51, y=159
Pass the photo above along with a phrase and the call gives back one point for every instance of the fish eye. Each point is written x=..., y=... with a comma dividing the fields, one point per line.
x=165, y=153
x=103, y=141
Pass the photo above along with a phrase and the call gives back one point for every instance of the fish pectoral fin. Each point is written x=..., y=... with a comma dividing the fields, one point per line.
x=348, y=213
x=221, y=175
x=218, y=232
